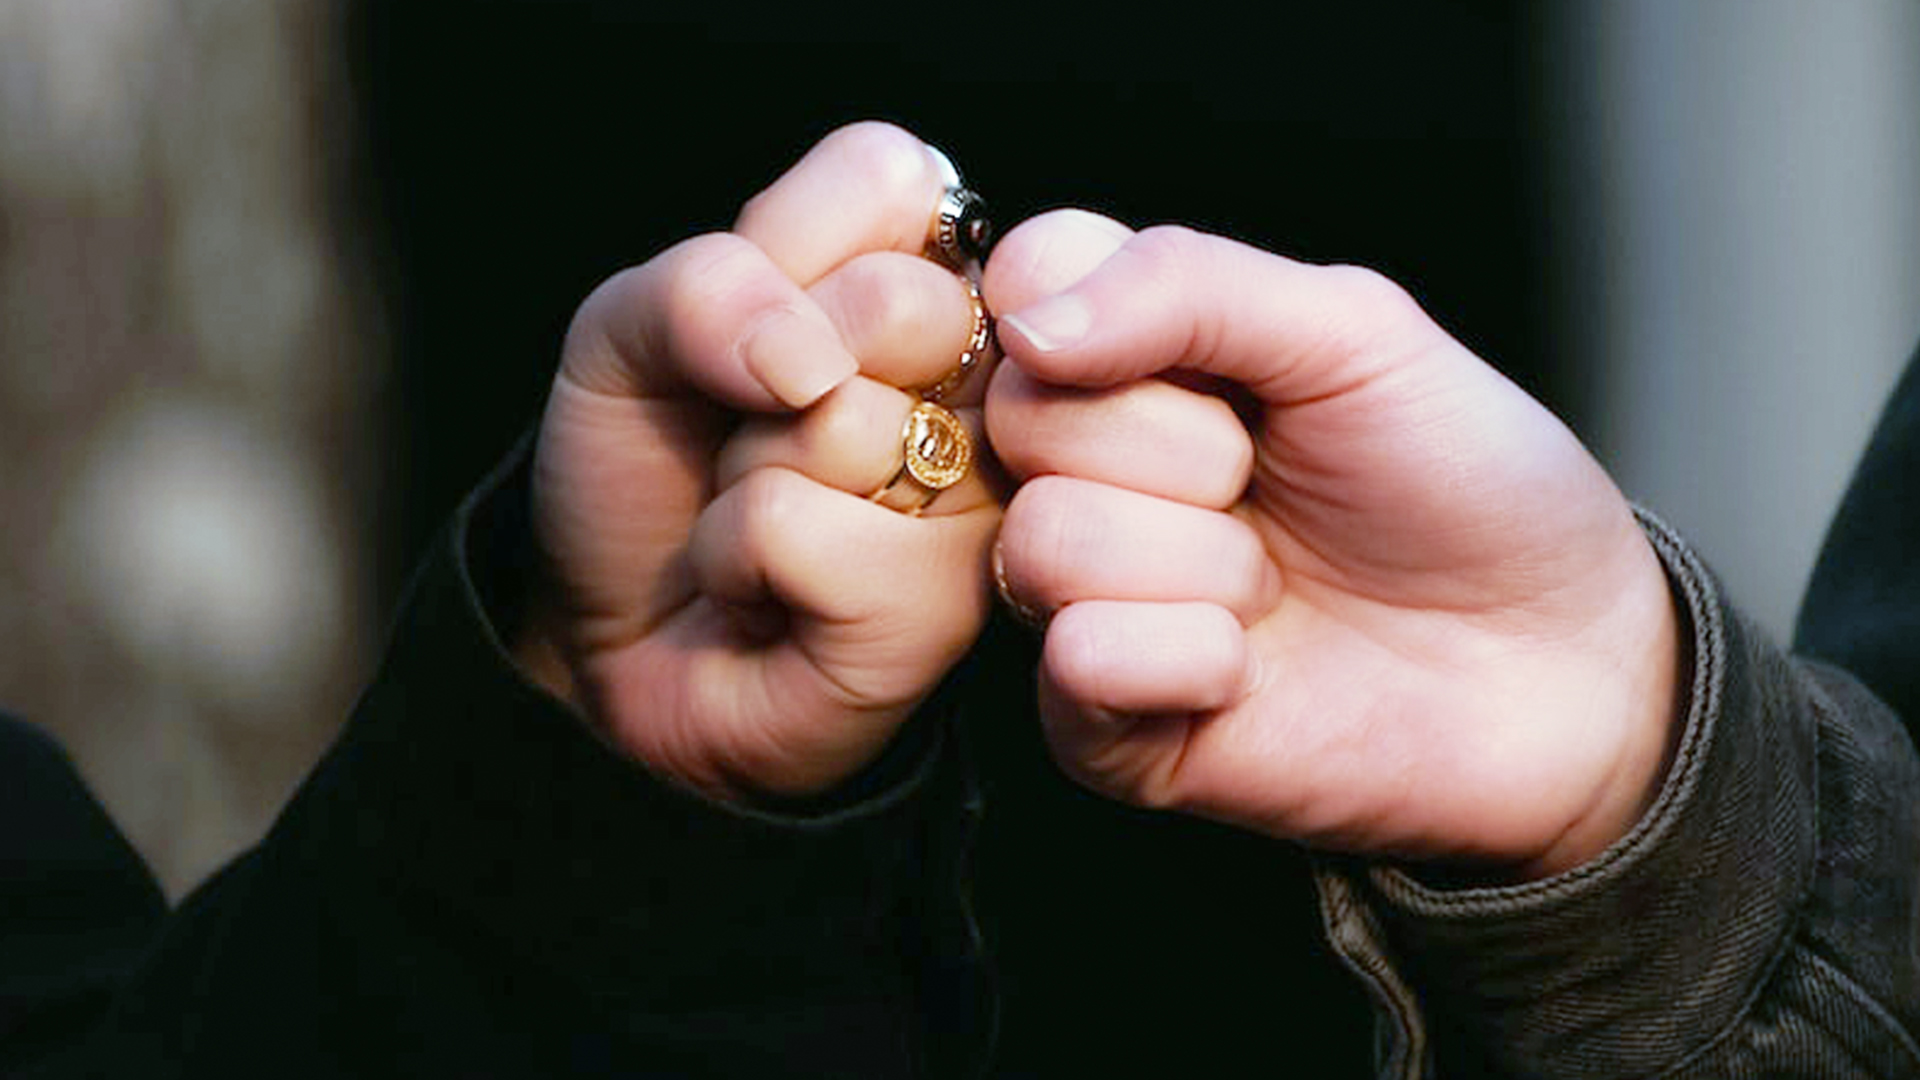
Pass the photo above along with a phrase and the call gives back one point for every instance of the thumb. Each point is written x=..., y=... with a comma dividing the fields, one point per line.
x=712, y=315
x=1170, y=297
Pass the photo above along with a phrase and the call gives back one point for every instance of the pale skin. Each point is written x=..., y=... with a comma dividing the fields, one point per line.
x=1398, y=610
x=1313, y=568
x=724, y=603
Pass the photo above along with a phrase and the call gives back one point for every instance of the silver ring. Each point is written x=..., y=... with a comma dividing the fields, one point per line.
x=959, y=233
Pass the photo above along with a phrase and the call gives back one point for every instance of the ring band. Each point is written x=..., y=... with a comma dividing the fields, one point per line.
x=977, y=342
x=936, y=453
x=1031, y=617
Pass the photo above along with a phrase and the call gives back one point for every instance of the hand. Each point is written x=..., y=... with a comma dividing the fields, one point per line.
x=723, y=602
x=1317, y=570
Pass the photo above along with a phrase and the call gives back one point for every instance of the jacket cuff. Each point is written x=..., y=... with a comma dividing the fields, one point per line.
x=1626, y=965
x=462, y=779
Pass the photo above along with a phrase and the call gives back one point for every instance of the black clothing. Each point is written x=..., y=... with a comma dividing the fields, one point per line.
x=471, y=885
x=1862, y=610
x=77, y=907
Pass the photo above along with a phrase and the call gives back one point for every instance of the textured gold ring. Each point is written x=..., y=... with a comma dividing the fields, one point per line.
x=977, y=341
x=936, y=453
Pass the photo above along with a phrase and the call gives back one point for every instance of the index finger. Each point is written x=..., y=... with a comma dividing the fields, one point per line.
x=866, y=187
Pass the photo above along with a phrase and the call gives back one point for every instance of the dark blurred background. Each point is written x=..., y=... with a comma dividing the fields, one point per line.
x=280, y=281
x=520, y=152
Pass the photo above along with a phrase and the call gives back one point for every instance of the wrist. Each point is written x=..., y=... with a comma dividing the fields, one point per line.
x=1651, y=648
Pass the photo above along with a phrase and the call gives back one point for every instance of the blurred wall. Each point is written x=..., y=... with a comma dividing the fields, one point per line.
x=1740, y=241
x=184, y=392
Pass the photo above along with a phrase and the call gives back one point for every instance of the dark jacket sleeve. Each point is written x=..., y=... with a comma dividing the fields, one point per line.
x=472, y=885
x=1760, y=920
x=77, y=906
x=1862, y=611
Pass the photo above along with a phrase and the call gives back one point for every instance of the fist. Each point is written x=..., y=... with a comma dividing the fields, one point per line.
x=1312, y=567
x=736, y=595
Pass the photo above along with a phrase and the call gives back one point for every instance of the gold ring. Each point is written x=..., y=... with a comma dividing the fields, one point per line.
x=936, y=453
x=977, y=342
x=1031, y=617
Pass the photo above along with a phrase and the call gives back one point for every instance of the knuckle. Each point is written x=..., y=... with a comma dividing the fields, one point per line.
x=613, y=291
x=1170, y=254
x=840, y=425
x=589, y=327
x=1232, y=481
x=754, y=210
x=1374, y=306
x=705, y=264
x=647, y=312
x=1206, y=450
x=1042, y=534
x=1170, y=242
x=1168, y=262
x=1072, y=657
x=876, y=299
x=1364, y=287
x=882, y=158
x=1018, y=423
x=770, y=501
x=697, y=275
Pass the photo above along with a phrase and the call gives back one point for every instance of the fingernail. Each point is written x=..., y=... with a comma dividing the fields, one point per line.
x=1058, y=322
x=796, y=359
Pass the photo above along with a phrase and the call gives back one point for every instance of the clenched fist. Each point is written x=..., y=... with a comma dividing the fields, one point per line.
x=723, y=600
x=1313, y=568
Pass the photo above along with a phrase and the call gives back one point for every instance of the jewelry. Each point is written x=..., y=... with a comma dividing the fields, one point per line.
x=935, y=449
x=970, y=356
x=1031, y=617
x=936, y=453
x=959, y=233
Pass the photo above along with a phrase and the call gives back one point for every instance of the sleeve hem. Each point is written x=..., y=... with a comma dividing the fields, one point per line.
x=1694, y=586
x=1631, y=962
